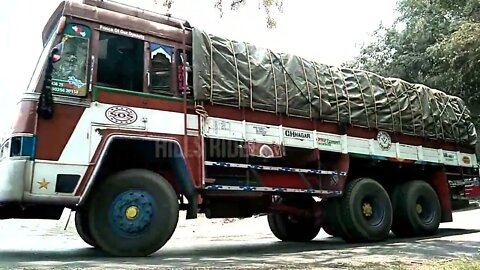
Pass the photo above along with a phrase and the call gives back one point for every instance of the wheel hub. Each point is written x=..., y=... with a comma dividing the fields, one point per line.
x=367, y=209
x=131, y=212
x=419, y=208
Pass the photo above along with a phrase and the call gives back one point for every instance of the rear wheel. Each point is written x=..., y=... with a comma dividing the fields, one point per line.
x=133, y=213
x=334, y=221
x=81, y=224
x=366, y=211
x=287, y=227
x=332, y=231
x=417, y=209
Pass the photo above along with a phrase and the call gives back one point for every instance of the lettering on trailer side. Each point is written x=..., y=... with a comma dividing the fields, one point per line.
x=327, y=142
x=449, y=157
x=297, y=134
x=260, y=130
x=221, y=125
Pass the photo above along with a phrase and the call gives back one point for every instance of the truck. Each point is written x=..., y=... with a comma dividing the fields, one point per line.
x=132, y=116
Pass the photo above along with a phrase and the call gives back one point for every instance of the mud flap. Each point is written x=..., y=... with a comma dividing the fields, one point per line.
x=439, y=182
x=182, y=174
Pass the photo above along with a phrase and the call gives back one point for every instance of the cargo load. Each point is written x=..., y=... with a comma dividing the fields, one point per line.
x=240, y=74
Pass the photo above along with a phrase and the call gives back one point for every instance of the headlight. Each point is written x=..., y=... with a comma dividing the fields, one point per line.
x=23, y=146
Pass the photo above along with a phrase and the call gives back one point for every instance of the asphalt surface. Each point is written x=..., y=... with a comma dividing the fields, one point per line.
x=246, y=243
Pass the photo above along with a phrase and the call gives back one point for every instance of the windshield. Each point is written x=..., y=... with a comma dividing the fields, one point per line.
x=69, y=74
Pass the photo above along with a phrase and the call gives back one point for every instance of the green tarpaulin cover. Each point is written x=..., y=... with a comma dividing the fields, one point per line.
x=236, y=73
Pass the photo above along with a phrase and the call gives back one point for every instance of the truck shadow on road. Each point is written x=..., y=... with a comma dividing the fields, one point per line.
x=264, y=252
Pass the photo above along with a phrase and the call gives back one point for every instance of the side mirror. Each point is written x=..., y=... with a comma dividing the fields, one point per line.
x=56, y=53
x=45, y=102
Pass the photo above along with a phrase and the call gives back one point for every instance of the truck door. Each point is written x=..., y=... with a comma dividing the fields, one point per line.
x=61, y=156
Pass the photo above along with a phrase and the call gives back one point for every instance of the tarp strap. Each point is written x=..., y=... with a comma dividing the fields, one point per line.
x=374, y=100
x=389, y=103
x=336, y=94
x=405, y=90
x=454, y=127
x=285, y=72
x=399, y=105
x=448, y=109
x=319, y=89
x=211, y=68
x=345, y=92
x=250, y=76
x=286, y=84
x=421, y=110
x=363, y=98
x=274, y=80
x=430, y=106
x=440, y=119
x=308, y=88
x=461, y=115
x=238, y=76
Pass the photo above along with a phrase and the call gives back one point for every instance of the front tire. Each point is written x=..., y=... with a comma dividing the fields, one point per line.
x=416, y=208
x=81, y=224
x=133, y=213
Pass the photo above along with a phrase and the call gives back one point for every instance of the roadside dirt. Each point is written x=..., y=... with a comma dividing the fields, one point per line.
x=233, y=244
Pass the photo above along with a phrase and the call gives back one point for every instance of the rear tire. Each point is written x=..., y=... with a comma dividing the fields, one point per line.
x=334, y=220
x=81, y=224
x=332, y=231
x=295, y=229
x=417, y=210
x=366, y=211
x=133, y=213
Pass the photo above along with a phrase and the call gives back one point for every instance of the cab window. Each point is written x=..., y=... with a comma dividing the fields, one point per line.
x=70, y=71
x=161, y=57
x=120, y=62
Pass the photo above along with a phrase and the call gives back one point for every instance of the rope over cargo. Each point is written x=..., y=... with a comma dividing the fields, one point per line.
x=239, y=74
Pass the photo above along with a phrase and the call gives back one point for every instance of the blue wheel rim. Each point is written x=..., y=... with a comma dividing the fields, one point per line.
x=426, y=213
x=131, y=213
x=376, y=213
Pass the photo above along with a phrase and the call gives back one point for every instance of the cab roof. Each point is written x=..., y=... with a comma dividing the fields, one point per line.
x=119, y=15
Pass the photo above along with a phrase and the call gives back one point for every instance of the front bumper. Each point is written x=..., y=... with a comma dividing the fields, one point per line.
x=14, y=173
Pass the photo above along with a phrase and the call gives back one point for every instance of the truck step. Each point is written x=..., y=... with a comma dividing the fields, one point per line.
x=464, y=182
x=271, y=168
x=235, y=181
x=273, y=190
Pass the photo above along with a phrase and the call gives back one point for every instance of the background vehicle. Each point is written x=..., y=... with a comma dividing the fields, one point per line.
x=132, y=116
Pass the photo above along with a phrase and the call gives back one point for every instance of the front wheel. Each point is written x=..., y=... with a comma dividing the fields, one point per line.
x=81, y=224
x=133, y=213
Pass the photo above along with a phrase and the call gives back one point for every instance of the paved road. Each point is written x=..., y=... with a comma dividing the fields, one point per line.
x=217, y=244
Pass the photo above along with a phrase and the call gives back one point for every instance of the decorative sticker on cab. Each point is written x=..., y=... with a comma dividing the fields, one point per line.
x=121, y=115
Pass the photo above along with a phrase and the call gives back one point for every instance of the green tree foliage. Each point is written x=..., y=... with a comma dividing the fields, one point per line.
x=267, y=5
x=433, y=42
